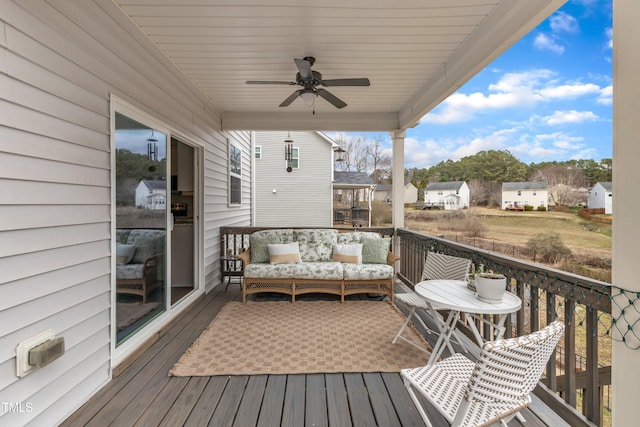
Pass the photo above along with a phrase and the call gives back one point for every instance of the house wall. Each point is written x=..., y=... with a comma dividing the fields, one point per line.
x=59, y=65
x=440, y=196
x=599, y=197
x=303, y=196
x=511, y=197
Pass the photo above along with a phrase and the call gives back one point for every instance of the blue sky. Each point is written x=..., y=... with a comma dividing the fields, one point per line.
x=547, y=98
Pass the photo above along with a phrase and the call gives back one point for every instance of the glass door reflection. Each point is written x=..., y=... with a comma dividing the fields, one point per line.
x=141, y=225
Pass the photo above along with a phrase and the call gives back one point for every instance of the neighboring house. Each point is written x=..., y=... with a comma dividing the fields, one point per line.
x=384, y=193
x=301, y=197
x=516, y=195
x=450, y=196
x=151, y=194
x=601, y=196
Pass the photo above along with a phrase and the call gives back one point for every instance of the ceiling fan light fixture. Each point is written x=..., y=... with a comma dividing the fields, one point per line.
x=308, y=96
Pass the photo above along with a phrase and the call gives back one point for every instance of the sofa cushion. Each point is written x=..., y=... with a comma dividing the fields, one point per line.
x=367, y=271
x=283, y=253
x=148, y=242
x=130, y=271
x=124, y=253
x=318, y=270
x=316, y=244
x=122, y=234
x=269, y=271
x=347, y=253
x=356, y=236
x=375, y=251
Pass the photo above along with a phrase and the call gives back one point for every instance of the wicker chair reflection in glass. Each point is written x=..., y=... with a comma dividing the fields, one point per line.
x=493, y=389
x=436, y=266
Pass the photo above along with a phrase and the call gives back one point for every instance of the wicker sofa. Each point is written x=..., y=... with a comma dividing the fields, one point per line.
x=327, y=261
x=138, y=260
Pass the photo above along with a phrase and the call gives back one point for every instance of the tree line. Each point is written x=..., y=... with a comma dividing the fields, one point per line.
x=484, y=171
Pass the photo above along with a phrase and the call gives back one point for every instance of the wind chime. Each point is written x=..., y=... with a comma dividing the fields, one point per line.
x=288, y=151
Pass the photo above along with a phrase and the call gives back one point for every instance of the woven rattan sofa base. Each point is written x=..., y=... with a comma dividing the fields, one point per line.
x=293, y=287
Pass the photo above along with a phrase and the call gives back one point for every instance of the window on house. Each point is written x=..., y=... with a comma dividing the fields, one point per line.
x=258, y=152
x=235, y=175
x=519, y=193
x=295, y=158
x=534, y=192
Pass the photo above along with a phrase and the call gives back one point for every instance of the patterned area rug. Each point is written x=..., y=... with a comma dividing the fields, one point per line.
x=302, y=338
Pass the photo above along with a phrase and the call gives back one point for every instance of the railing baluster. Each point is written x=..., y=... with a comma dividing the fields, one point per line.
x=591, y=400
x=570, y=353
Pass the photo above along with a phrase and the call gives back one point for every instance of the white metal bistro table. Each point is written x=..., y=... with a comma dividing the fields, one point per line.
x=455, y=296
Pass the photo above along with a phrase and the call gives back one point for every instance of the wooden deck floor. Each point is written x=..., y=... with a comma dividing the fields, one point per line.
x=144, y=395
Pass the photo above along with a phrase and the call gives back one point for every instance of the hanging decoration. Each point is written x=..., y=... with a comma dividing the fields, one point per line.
x=288, y=151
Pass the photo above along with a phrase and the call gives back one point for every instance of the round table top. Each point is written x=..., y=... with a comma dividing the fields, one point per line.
x=455, y=295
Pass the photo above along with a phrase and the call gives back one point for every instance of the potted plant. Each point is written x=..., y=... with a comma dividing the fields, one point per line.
x=490, y=287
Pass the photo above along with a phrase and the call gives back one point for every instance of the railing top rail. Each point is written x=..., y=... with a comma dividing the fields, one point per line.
x=580, y=289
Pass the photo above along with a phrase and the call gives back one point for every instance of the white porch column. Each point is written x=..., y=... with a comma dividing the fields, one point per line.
x=625, y=364
x=397, y=177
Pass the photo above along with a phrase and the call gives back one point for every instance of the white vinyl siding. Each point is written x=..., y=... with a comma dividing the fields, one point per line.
x=302, y=197
x=55, y=187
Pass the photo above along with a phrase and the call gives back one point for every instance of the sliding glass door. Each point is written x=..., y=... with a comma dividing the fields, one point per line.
x=142, y=203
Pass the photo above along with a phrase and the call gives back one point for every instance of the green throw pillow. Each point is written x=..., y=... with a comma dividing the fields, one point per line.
x=374, y=251
x=259, y=248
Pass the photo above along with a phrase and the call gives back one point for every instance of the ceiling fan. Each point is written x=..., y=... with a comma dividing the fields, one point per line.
x=309, y=80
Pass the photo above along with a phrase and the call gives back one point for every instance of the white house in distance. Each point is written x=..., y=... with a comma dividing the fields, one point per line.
x=601, y=196
x=301, y=197
x=383, y=193
x=151, y=194
x=450, y=196
x=515, y=195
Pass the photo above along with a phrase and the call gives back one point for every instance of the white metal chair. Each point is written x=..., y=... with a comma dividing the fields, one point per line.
x=436, y=266
x=494, y=389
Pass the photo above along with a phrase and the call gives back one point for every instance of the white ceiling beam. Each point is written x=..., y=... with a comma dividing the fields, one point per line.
x=334, y=121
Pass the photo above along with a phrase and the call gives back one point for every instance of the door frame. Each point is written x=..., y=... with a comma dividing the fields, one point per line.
x=144, y=335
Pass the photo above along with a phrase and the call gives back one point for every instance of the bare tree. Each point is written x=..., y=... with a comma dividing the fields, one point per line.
x=379, y=161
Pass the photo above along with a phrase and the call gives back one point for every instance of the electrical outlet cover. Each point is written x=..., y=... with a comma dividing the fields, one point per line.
x=22, y=351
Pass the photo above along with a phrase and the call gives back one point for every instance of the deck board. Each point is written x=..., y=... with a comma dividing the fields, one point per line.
x=144, y=394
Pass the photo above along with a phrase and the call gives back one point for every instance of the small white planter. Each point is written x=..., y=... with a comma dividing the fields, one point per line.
x=490, y=287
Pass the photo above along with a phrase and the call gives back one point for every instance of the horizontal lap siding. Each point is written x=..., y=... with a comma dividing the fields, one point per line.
x=303, y=196
x=59, y=64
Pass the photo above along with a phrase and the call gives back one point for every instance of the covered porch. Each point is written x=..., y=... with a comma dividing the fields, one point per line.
x=183, y=69
x=143, y=394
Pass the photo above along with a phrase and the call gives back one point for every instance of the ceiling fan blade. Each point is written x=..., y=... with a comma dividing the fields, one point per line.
x=267, y=82
x=290, y=99
x=346, y=82
x=304, y=67
x=337, y=102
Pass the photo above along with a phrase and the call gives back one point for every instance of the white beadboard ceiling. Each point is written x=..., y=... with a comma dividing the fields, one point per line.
x=414, y=52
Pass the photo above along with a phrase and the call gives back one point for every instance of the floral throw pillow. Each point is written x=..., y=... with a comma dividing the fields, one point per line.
x=374, y=251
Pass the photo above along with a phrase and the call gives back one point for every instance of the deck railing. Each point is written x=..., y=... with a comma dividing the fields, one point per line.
x=547, y=294
x=576, y=391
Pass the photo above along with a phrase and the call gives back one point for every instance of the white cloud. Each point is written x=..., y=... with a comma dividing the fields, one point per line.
x=572, y=116
x=512, y=90
x=563, y=22
x=606, y=95
x=545, y=42
x=569, y=91
x=609, y=34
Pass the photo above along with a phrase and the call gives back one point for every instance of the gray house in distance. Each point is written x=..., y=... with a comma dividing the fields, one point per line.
x=300, y=196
